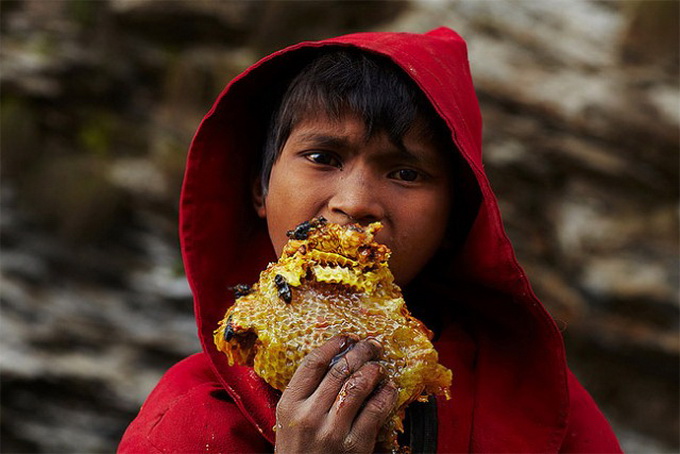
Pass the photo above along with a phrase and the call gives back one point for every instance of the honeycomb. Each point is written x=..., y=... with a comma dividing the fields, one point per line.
x=332, y=279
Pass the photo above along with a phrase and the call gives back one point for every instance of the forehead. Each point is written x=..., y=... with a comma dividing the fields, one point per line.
x=309, y=128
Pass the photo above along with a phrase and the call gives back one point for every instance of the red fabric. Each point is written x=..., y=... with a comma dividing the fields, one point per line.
x=512, y=391
x=189, y=411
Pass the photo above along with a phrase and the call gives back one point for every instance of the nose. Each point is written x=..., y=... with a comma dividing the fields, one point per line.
x=356, y=198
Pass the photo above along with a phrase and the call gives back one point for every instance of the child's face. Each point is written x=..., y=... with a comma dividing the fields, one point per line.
x=329, y=168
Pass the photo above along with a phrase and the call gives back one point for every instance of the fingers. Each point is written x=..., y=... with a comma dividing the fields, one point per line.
x=314, y=367
x=354, y=394
x=337, y=399
x=344, y=367
x=374, y=414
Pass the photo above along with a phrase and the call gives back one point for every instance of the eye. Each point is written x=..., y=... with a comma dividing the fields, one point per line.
x=323, y=158
x=406, y=175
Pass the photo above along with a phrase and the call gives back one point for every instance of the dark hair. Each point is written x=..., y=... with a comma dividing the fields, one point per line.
x=347, y=80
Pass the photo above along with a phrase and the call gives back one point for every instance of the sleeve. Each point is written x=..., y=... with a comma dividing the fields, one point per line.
x=588, y=431
x=188, y=412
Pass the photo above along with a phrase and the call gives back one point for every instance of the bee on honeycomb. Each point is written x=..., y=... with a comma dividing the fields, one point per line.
x=331, y=280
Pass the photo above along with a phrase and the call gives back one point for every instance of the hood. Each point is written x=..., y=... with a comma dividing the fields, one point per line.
x=520, y=373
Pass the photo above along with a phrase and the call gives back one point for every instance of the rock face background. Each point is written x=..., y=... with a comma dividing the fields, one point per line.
x=99, y=102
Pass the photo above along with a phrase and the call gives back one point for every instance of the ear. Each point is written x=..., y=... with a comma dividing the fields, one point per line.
x=259, y=199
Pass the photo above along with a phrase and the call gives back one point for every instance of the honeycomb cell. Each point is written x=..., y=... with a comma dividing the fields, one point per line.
x=340, y=284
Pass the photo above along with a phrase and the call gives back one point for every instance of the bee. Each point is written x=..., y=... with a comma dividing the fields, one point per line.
x=283, y=288
x=302, y=231
x=241, y=290
x=229, y=330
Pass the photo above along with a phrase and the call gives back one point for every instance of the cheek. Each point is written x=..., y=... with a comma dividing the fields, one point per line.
x=278, y=196
x=289, y=202
x=427, y=219
x=420, y=234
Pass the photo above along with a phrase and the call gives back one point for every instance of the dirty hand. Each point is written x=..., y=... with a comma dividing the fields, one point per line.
x=336, y=401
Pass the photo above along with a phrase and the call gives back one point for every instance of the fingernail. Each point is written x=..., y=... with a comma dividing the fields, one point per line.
x=347, y=340
x=345, y=348
x=378, y=346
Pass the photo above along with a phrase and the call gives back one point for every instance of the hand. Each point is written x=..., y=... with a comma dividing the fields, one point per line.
x=337, y=400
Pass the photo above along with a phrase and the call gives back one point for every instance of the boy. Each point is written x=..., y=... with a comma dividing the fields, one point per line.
x=362, y=128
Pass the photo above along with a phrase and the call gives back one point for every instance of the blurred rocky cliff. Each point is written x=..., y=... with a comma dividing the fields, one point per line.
x=100, y=99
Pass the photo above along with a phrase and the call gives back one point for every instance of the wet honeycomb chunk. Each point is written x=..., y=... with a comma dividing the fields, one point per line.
x=332, y=279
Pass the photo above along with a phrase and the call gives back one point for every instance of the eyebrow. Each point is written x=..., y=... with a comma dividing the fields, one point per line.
x=325, y=140
x=343, y=142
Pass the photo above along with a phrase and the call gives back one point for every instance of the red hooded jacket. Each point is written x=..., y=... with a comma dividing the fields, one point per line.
x=512, y=390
